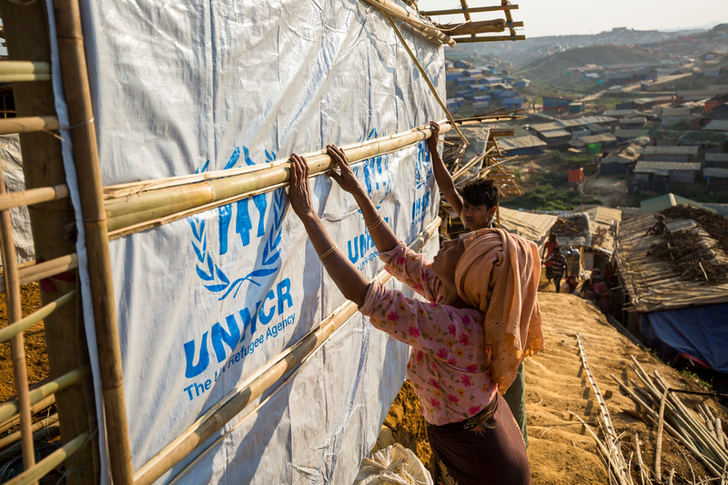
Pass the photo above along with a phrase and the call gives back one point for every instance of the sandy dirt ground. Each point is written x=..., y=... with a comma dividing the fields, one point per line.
x=612, y=191
x=561, y=450
x=36, y=358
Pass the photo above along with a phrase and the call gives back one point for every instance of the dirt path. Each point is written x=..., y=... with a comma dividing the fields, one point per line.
x=561, y=450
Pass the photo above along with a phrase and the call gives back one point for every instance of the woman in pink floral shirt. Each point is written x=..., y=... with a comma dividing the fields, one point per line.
x=473, y=435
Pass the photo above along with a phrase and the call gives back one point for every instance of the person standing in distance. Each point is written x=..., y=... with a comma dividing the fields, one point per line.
x=476, y=205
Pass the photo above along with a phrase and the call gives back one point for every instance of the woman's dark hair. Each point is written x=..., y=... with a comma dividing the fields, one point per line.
x=481, y=192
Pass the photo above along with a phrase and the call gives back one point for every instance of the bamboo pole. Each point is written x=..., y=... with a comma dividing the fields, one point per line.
x=509, y=18
x=25, y=323
x=19, y=68
x=50, y=462
x=33, y=196
x=412, y=19
x=495, y=38
x=433, y=13
x=253, y=387
x=136, y=206
x=45, y=269
x=20, y=372
x=10, y=408
x=27, y=38
x=427, y=78
x=27, y=124
x=85, y=156
x=45, y=435
x=37, y=426
x=482, y=27
x=37, y=407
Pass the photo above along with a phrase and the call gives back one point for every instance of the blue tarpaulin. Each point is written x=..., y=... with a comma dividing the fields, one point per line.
x=699, y=333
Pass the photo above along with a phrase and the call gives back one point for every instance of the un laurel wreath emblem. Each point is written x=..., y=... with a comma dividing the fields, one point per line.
x=216, y=281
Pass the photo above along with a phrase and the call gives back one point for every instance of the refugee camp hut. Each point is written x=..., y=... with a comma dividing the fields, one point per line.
x=707, y=141
x=670, y=116
x=555, y=137
x=676, y=284
x=715, y=179
x=621, y=162
x=522, y=83
x=521, y=145
x=621, y=113
x=529, y=225
x=604, y=224
x=604, y=139
x=683, y=172
x=633, y=121
x=629, y=134
x=625, y=105
x=644, y=104
x=597, y=129
x=717, y=125
x=670, y=153
x=658, y=204
x=513, y=103
x=718, y=160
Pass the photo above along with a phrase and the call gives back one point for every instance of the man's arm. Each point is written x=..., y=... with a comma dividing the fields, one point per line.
x=442, y=175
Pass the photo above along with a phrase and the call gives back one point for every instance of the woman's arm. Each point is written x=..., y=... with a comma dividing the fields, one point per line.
x=442, y=175
x=382, y=235
x=346, y=277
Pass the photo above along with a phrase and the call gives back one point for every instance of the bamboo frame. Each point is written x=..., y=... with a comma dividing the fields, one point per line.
x=412, y=19
x=15, y=69
x=10, y=264
x=34, y=408
x=33, y=196
x=27, y=124
x=481, y=27
x=25, y=323
x=497, y=38
x=454, y=11
x=45, y=269
x=9, y=408
x=44, y=434
x=50, y=462
x=37, y=426
x=236, y=401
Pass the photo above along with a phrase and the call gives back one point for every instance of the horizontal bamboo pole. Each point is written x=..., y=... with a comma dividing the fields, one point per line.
x=495, y=38
x=10, y=408
x=253, y=387
x=42, y=468
x=45, y=269
x=37, y=407
x=27, y=124
x=457, y=11
x=149, y=205
x=481, y=27
x=42, y=436
x=19, y=78
x=25, y=323
x=37, y=426
x=33, y=196
x=412, y=19
x=23, y=67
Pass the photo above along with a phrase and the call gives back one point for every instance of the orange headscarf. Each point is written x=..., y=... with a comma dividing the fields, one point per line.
x=499, y=273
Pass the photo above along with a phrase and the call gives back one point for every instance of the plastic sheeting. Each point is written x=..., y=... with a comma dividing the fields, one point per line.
x=12, y=168
x=205, y=302
x=700, y=332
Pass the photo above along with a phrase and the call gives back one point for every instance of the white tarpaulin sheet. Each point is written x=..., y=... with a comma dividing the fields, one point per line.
x=204, y=302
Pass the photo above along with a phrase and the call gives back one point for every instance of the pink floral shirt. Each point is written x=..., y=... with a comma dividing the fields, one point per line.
x=448, y=366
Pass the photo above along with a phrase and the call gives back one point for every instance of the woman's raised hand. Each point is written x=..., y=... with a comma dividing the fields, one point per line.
x=434, y=137
x=299, y=192
x=347, y=180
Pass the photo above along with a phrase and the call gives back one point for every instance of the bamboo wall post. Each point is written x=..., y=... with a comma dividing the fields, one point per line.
x=26, y=34
x=85, y=155
x=10, y=264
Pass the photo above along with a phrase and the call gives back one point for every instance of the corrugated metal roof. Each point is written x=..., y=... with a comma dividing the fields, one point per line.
x=582, y=121
x=516, y=142
x=653, y=167
x=716, y=157
x=717, y=125
x=555, y=133
x=664, y=201
x=715, y=172
x=667, y=150
x=621, y=113
x=531, y=226
x=619, y=133
x=601, y=138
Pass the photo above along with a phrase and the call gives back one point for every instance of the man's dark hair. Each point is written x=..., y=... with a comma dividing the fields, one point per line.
x=481, y=192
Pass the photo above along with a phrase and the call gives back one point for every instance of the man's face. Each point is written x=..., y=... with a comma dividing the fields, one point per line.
x=476, y=216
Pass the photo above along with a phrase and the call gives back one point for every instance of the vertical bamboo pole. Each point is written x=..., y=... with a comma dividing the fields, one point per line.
x=26, y=33
x=10, y=265
x=85, y=155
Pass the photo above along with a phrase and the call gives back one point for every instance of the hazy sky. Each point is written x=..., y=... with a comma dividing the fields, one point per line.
x=566, y=17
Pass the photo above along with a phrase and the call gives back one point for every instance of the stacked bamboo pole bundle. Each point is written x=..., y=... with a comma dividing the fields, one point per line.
x=412, y=19
x=702, y=438
x=265, y=378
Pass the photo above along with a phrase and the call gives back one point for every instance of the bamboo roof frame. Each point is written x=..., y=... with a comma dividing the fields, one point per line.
x=466, y=32
x=650, y=283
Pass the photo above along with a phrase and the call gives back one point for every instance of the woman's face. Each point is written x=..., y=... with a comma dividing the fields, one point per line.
x=447, y=259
